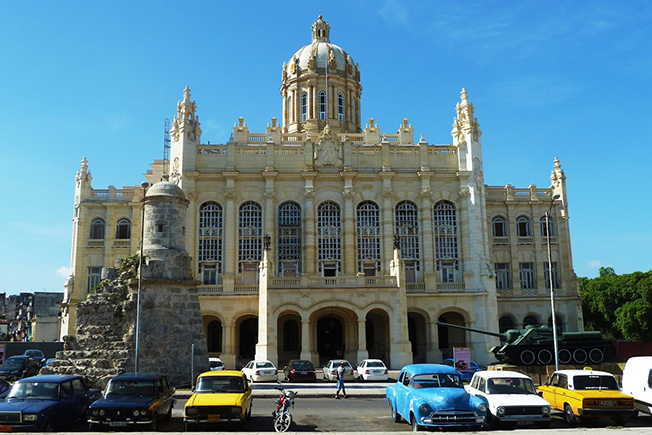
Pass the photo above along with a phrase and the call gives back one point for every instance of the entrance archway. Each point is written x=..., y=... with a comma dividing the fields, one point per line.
x=214, y=336
x=248, y=338
x=451, y=337
x=377, y=335
x=289, y=337
x=418, y=337
x=330, y=338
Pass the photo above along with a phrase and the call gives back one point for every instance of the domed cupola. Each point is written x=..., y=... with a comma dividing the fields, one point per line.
x=321, y=84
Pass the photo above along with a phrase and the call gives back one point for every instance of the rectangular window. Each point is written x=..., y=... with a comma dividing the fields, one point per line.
x=94, y=276
x=528, y=275
x=555, y=275
x=249, y=273
x=447, y=271
x=209, y=274
x=411, y=271
x=502, y=276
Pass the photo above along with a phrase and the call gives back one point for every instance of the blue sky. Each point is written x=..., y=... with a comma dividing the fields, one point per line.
x=98, y=79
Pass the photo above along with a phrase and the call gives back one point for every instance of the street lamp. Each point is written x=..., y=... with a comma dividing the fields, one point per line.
x=552, y=289
x=144, y=185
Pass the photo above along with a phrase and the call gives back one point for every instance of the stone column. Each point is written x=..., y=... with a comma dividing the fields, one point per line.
x=267, y=346
x=362, y=340
x=348, y=239
x=387, y=221
x=230, y=228
x=305, y=340
x=310, y=245
x=425, y=217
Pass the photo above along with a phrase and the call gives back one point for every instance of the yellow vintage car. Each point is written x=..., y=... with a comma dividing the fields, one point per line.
x=220, y=396
x=584, y=394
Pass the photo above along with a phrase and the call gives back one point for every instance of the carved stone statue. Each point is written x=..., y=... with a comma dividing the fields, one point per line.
x=328, y=151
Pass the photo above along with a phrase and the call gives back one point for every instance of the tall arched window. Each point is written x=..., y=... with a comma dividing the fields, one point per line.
x=544, y=230
x=289, y=239
x=123, y=229
x=304, y=106
x=250, y=241
x=523, y=227
x=505, y=323
x=97, y=229
x=446, y=250
x=407, y=230
x=322, y=105
x=530, y=320
x=209, y=253
x=368, y=226
x=329, y=238
x=499, y=227
x=340, y=106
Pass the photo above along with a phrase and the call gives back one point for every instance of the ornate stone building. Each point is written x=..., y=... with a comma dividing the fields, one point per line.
x=322, y=236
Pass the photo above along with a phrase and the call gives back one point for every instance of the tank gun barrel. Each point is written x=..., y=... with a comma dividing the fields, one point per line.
x=480, y=331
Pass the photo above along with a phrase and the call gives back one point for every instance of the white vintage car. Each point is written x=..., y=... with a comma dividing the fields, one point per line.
x=511, y=397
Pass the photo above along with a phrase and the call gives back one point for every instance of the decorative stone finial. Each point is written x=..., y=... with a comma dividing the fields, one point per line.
x=186, y=95
x=320, y=31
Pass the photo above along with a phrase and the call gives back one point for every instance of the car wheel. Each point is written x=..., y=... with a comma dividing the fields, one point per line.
x=49, y=425
x=396, y=417
x=416, y=427
x=570, y=418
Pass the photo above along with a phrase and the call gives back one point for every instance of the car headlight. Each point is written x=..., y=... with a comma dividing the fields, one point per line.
x=136, y=413
x=236, y=410
x=482, y=407
x=30, y=417
x=94, y=412
x=423, y=409
x=191, y=411
x=102, y=412
x=545, y=410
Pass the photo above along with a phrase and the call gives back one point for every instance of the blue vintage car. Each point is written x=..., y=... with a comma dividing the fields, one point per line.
x=46, y=403
x=433, y=396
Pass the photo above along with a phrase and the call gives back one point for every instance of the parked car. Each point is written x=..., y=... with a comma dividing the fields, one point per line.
x=511, y=398
x=46, y=403
x=216, y=363
x=466, y=371
x=433, y=396
x=299, y=370
x=330, y=370
x=220, y=396
x=4, y=388
x=37, y=354
x=583, y=394
x=260, y=371
x=637, y=382
x=18, y=367
x=372, y=370
x=133, y=400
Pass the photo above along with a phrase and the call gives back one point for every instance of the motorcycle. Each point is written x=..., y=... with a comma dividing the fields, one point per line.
x=282, y=416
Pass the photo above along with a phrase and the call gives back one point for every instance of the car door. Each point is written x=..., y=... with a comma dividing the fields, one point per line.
x=402, y=395
x=548, y=390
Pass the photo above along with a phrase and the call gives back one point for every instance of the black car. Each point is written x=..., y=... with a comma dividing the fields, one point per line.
x=132, y=399
x=46, y=403
x=300, y=370
x=17, y=367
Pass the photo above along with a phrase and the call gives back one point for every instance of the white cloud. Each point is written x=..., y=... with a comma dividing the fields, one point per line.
x=394, y=12
x=62, y=272
x=595, y=264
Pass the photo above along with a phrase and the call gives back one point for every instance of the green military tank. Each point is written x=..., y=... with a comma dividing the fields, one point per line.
x=534, y=345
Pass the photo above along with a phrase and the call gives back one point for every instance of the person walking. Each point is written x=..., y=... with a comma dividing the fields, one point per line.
x=341, y=370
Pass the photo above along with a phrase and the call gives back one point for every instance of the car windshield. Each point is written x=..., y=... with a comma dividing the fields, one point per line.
x=220, y=384
x=510, y=386
x=302, y=365
x=133, y=387
x=14, y=362
x=337, y=364
x=264, y=365
x=34, y=390
x=436, y=380
x=216, y=364
x=376, y=364
x=595, y=382
x=33, y=353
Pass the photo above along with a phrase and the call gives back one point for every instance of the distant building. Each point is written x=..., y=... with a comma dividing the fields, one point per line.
x=368, y=238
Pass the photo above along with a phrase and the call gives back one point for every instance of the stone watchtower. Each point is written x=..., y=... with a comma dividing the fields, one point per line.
x=171, y=320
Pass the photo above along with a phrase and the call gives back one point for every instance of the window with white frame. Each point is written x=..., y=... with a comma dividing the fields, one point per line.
x=446, y=248
x=556, y=283
x=502, y=276
x=523, y=227
x=329, y=238
x=289, y=239
x=499, y=227
x=250, y=234
x=97, y=229
x=544, y=226
x=94, y=276
x=322, y=105
x=304, y=106
x=407, y=230
x=209, y=253
x=340, y=106
x=123, y=229
x=368, y=232
x=528, y=275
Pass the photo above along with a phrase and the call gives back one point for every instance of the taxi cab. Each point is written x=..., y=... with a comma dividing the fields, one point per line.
x=584, y=394
x=220, y=396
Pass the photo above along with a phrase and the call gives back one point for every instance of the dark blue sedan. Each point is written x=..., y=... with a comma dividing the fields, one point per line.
x=46, y=403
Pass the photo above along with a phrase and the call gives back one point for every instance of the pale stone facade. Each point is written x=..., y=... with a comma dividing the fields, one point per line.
x=294, y=231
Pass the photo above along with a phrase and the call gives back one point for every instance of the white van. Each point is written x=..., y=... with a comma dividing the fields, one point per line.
x=637, y=382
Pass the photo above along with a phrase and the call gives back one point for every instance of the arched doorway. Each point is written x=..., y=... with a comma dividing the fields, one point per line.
x=377, y=335
x=330, y=338
x=450, y=337
x=505, y=323
x=289, y=337
x=248, y=338
x=214, y=336
x=418, y=337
